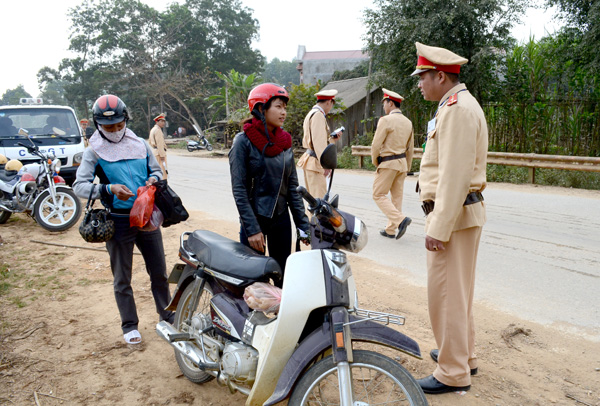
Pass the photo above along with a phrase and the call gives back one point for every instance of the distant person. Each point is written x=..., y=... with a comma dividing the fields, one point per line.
x=123, y=162
x=316, y=138
x=392, y=152
x=157, y=142
x=51, y=124
x=6, y=127
x=451, y=179
x=83, y=124
x=264, y=178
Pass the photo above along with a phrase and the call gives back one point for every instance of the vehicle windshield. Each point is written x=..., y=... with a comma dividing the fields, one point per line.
x=38, y=122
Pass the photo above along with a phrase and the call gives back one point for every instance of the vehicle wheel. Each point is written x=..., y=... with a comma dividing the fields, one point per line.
x=190, y=149
x=376, y=379
x=200, y=319
x=60, y=216
x=209, y=147
x=4, y=216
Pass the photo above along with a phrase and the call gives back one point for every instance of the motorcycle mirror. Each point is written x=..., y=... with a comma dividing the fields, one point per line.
x=334, y=201
x=23, y=132
x=329, y=157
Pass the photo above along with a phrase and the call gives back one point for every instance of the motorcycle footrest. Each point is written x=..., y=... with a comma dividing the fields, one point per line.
x=179, y=337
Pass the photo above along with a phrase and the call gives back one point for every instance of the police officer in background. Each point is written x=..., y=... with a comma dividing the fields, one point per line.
x=83, y=123
x=158, y=144
x=316, y=137
x=392, y=152
x=451, y=179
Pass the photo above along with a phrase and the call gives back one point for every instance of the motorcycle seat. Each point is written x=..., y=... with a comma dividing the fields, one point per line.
x=7, y=176
x=230, y=257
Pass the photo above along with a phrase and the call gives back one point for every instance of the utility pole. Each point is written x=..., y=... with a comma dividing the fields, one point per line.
x=368, y=97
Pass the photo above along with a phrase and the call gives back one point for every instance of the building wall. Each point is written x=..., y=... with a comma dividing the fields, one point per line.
x=314, y=70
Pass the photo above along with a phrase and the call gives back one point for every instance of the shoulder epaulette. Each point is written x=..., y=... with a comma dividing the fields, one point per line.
x=453, y=99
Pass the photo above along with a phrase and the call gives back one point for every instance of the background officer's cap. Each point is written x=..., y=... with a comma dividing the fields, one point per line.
x=84, y=120
x=161, y=116
x=438, y=59
x=388, y=94
x=326, y=94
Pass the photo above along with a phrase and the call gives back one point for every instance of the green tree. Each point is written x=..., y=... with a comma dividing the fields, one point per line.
x=359, y=71
x=474, y=29
x=281, y=72
x=232, y=99
x=12, y=96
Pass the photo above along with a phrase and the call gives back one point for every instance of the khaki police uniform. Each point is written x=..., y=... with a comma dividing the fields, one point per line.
x=315, y=139
x=393, y=137
x=453, y=166
x=158, y=144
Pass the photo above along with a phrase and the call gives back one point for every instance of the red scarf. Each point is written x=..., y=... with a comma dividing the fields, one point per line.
x=280, y=141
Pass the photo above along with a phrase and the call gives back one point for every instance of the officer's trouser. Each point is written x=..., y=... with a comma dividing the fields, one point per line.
x=450, y=286
x=316, y=183
x=162, y=161
x=389, y=181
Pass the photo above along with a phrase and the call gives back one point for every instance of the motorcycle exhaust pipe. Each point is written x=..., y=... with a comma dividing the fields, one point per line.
x=27, y=188
x=167, y=332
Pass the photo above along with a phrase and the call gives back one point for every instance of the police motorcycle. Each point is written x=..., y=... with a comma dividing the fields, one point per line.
x=305, y=353
x=38, y=190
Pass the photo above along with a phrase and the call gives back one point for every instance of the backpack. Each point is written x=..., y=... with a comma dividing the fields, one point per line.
x=169, y=204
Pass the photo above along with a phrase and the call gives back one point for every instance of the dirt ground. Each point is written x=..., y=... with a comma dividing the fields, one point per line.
x=61, y=342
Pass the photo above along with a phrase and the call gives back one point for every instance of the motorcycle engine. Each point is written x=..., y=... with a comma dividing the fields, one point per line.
x=239, y=362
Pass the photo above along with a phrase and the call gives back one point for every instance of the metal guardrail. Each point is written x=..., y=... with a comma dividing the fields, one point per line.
x=530, y=161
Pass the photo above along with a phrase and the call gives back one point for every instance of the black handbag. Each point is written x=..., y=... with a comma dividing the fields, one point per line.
x=96, y=226
x=169, y=204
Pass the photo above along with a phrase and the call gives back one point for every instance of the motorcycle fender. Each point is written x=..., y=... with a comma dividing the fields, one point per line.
x=182, y=277
x=56, y=188
x=320, y=340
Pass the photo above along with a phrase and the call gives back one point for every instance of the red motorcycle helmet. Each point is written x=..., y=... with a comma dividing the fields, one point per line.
x=109, y=109
x=265, y=92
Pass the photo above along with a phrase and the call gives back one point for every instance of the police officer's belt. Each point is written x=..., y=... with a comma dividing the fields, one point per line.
x=473, y=197
x=311, y=152
x=381, y=159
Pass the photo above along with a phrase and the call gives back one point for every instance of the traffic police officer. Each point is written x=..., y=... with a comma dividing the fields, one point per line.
x=157, y=142
x=451, y=179
x=316, y=138
x=392, y=152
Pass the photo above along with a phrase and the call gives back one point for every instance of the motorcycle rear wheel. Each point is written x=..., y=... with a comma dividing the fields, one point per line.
x=187, y=367
x=60, y=216
x=190, y=149
x=376, y=379
x=4, y=216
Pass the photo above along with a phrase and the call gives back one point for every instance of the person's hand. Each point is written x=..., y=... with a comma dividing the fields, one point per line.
x=327, y=172
x=151, y=180
x=257, y=242
x=121, y=191
x=303, y=236
x=433, y=245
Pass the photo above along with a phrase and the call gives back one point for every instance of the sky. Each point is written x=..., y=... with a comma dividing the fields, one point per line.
x=32, y=40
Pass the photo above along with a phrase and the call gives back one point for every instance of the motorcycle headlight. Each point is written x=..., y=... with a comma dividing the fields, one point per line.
x=55, y=166
x=360, y=236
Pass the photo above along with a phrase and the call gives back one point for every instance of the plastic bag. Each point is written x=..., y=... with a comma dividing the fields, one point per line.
x=142, y=207
x=156, y=220
x=263, y=296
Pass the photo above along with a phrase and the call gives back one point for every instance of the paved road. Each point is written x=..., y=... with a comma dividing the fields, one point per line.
x=539, y=256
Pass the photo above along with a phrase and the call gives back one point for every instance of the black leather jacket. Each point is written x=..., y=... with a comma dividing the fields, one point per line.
x=256, y=182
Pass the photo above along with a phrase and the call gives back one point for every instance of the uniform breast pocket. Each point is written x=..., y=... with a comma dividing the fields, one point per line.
x=431, y=147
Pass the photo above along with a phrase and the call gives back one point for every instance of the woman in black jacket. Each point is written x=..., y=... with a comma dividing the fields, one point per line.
x=264, y=179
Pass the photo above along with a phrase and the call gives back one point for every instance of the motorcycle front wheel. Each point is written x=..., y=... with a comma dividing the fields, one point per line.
x=60, y=215
x=4, y=216
x=375, y=379
x=186, y=320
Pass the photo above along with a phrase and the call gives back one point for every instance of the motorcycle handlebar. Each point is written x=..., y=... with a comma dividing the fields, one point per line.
x=307, y=196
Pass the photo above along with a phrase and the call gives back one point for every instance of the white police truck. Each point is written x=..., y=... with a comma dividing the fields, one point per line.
x=54, y=129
